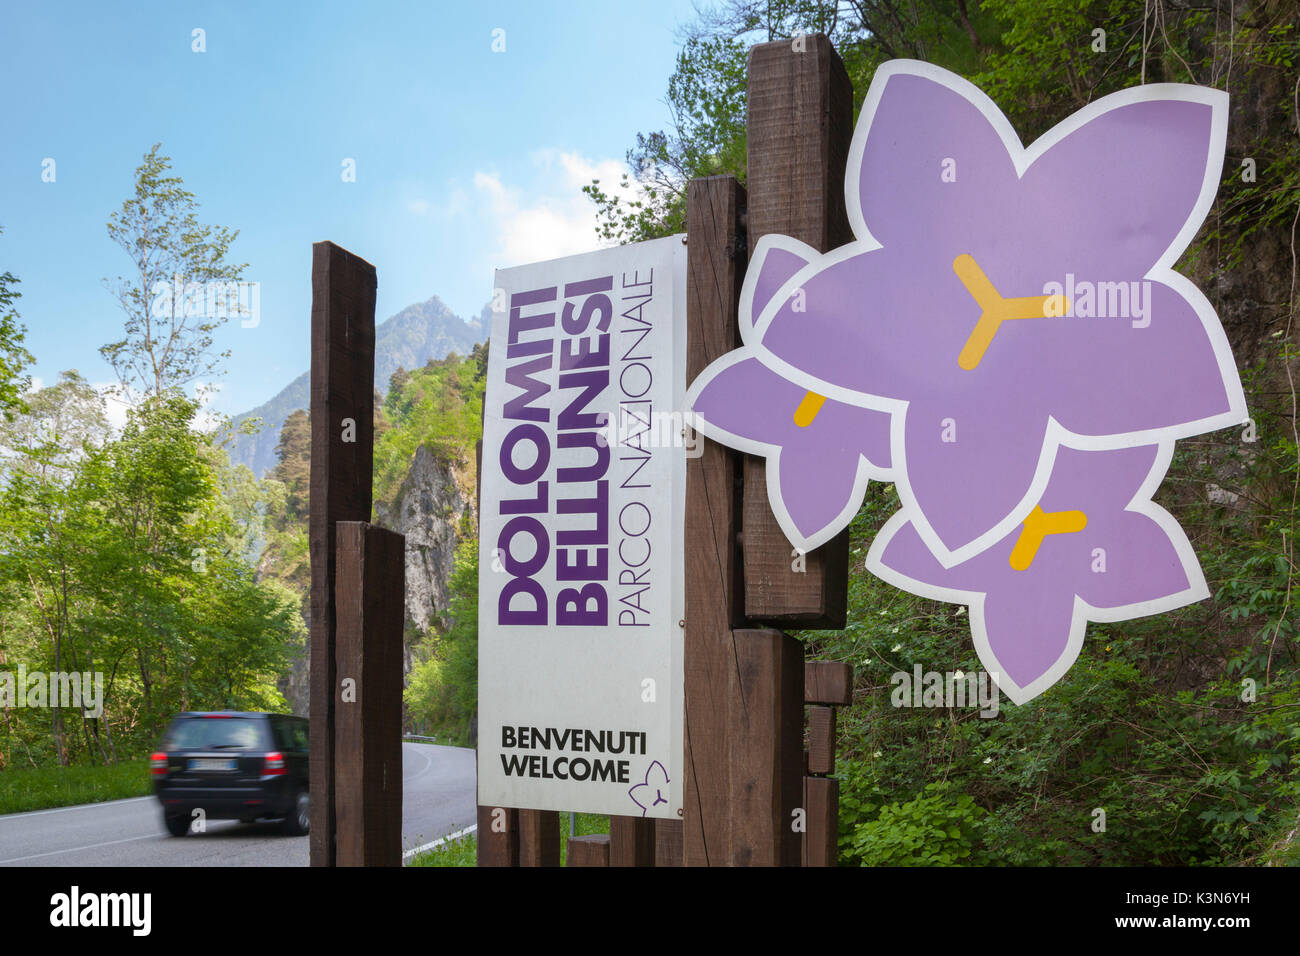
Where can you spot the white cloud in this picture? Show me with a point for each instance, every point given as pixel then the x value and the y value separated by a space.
pixel 116 405
pixel 556 218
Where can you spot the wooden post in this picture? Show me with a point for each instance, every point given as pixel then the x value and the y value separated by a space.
pixel 827 685
pixel 497 843
pixel 821 740
pixel 539 838
pixel 800 125
pixel 631 841
pixel 766 749
pixel 368 608
pixel 822 804
pixel 715 268
pixel 593 850
pixel 828 682
pixel 342 431
pixel 668 843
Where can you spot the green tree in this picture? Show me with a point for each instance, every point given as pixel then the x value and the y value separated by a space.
pixel 13 357
pixel 168 338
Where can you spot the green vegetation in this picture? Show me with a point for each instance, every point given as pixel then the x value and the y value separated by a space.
pixel 25 788
pixel 462 852
pixel 439 406
pixel 13 357
pixel 126 552
pixel 442 689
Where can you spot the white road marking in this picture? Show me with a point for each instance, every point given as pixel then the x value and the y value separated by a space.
pixel 74 849
pixel 80 806
pixel 428 762
pixel 436 843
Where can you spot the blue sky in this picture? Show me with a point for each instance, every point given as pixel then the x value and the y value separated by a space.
pixel 466 159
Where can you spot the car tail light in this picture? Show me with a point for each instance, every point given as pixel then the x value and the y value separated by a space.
pixel 274 764
pixel 158 764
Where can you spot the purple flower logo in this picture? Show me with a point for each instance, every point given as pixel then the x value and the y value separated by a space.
pixel 652 791
pixel 1095 548
pixel 1003 310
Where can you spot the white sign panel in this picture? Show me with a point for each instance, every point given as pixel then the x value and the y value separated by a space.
pixel 581 582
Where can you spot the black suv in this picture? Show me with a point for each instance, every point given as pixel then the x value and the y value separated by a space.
pixel 233 766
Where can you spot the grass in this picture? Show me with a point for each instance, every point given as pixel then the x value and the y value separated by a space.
pixel 41 788
pixel 463 852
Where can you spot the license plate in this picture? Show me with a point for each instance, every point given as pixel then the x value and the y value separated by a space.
pixel 211 763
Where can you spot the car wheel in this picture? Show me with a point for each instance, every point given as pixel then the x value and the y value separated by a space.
pixel 177 826
pixel 298 822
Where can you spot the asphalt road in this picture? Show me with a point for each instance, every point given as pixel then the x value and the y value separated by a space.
pixel 438 798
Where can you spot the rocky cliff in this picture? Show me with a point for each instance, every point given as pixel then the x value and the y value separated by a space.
pixel 433 508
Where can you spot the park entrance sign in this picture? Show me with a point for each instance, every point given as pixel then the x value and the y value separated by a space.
pixel 581 583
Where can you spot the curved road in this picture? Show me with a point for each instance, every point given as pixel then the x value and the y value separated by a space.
pixel 438 797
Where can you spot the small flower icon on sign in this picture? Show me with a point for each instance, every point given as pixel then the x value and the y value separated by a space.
pixel 653 790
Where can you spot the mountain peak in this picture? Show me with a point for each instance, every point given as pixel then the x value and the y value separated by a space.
pixel 408 339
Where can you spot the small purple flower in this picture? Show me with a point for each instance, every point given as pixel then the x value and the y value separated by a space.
pixel 1114 555
pixel 653 790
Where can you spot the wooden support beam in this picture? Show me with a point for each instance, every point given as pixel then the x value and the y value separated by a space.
pixel 800 125
pixel 766 749
pixel 497 836
pixel 539 838
pixel 592 850
pixel 370 566
pixel 668 842
pixel 821 740
pixel 632 841
pixel 822 804
pixel 342 431
pixel 715 209
pixel 828 682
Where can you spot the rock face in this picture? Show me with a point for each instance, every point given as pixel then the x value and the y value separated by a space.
pixel 431 508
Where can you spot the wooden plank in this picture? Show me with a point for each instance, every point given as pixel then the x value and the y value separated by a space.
pixel 766 749
pixel 828 682
pixel 497 836
pixel 539 838
pixel 631 841
pixel 591 850
pixel 800 125
pixel 822 803
pixel 369 600
pixel 342 388
pixel 715 209
pixel 821 740
pixel 668 842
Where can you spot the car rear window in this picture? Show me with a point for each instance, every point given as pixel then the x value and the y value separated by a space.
pixel 214 733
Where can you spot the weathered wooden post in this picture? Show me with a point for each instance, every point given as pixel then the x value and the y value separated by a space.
pixel 715 269
pixel 800 126
pixel 744 683
pixel 826 685
pixel 342 432
pixel 369 610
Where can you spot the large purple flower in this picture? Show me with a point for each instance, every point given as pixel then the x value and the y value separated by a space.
pixel 1095 548
pixel 944 312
